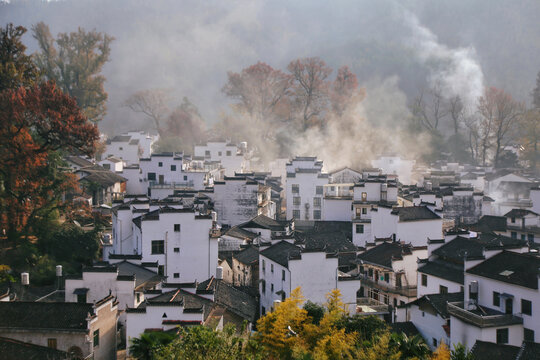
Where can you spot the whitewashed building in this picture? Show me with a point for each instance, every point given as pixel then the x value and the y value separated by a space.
pixel 411 224
pixel 238 199
pixel 284 266
pixel 500 303
pixel 388 272
pixel 182 241
pixel 305 189
pixel 229 155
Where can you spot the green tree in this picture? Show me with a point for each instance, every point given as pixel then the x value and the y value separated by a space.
pixel 460 352
pixel 202 343
pixel 314 311
pixel 75 63
pixel 147 345
pixel 410 347
pixel 16 68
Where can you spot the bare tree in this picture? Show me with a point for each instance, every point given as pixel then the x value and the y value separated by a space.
pixel 311 93
pixel 152 103
pixel 499 115
pixel 429 108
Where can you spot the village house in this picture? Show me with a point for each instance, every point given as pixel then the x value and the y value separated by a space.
pixel 368 194
pixel 388 272
pixel 411 224
pixel 304 189
pixel 130 146
pixel 81 330
pixel 523 224
pixel 240 198
pixel 213 303
pixel 162 174
pixel 430 316
pixel 113 164
pixel 443 270
pixel 285 266
pixel 245 267
pixel 231 157
pixel 182 241
pixel 510 191
pixel 103 185
pixel 499 306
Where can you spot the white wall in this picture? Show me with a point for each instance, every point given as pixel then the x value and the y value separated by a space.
pixel 314 288
pixel 337 209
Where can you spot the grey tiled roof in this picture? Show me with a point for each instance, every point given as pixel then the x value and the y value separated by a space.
pixel 281 252
pixel 414 213
pixel 510 267
pixel 483 350
pixel 11 349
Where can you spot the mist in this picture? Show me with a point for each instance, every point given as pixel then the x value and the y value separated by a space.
pixel 395 49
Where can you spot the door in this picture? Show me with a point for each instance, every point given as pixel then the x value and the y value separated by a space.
pixel 161 179
pixel 509 306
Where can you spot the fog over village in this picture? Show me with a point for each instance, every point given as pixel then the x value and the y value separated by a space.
pixel 269 179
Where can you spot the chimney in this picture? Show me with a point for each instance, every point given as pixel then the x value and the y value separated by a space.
pixel 25 278
pixel 59 277
pixel 219 273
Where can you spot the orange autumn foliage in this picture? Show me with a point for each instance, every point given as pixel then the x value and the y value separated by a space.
pixel 36 123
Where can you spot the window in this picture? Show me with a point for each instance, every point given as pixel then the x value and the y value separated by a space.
pixel 138 297
pixel 316 214
pixel 370 272
pixel 173 167
pixel 496 299
pixel 424 280
pixel 96 338
pixel 316 201
pixel 364 211
pixel 176 275
pixel 283 275
pixel 263 286
pixel 51 343
pixel 107 166
pixel 120 148
pixel 296 214
pixel 271 267
pixel 160 164
pixel 207 153
pixel 513 235
pixel 530 237
pixel 263 266
pixel 443 289
pixel 219 153
pixel 359 228
pixel 364 196
pixel 296 200
pixel 434 342
pixel 295 188
pixel 283 296
pixel 161 270
pixel 152 176
pixel 318 190
pixel 81 298
pixel 228 153
pixel 387 277
pixel 358 212
pixel 176 250
pixel 158 246
pixel 528 334
pixel 526 307
pixel 177 227
pixel 513 220
pixel 185 177
pixel 502 336
pixel 523 237
pixel 272 287
pixel 263 311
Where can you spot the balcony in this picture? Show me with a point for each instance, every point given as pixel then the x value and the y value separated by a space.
pixel 408 291
pixel 368 306
pixel 170 185
pixel 482 317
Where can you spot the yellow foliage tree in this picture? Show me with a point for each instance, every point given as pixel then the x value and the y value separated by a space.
pixel 278 331
pixel 380 350
pixel 442 352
